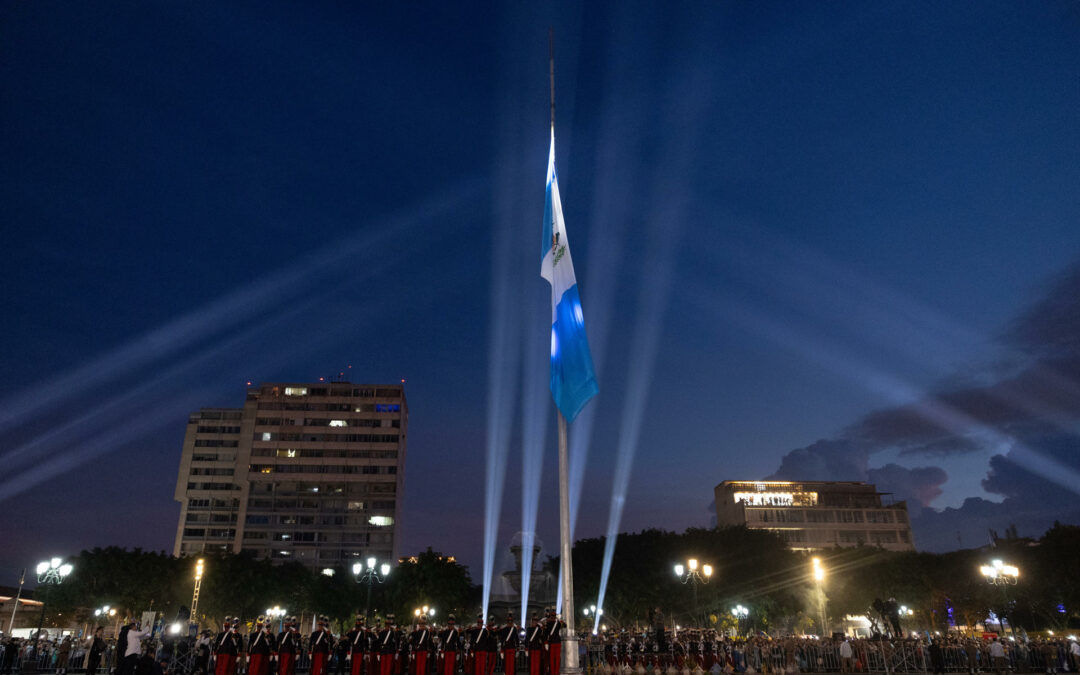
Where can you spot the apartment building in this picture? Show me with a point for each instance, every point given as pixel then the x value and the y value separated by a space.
pixel 306 472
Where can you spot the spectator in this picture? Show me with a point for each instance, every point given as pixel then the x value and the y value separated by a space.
pixel 847 657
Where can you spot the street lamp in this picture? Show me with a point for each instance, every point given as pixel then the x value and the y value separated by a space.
pixel 739 612
pixel 49 573
pixel 278 613
pixel 424 611
pixel 997 573
pixel 818 572
pixel 374 572
pixel 691 575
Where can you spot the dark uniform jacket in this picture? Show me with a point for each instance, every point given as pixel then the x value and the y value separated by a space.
pixel 450 639
pixel 508 636
pixel 321 641
pixel 534 637
pixel 228 642
pixel 388 641
pixel 288 642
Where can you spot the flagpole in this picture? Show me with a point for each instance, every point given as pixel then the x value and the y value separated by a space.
pixel 570 664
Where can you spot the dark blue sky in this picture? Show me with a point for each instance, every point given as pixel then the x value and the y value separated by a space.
pixel 833 240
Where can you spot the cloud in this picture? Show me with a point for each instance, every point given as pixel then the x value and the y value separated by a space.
pixel 1027 409
pixel 846 460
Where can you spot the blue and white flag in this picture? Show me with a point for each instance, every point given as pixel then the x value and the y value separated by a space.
pixel 573 380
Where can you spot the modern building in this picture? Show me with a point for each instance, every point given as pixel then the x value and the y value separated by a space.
pixel 311 473
pixel 811 515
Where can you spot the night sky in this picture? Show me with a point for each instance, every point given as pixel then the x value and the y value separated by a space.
pixel 813 240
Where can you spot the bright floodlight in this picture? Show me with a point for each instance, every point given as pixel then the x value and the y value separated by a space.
pixel 986 571
pixel 198 568
pixel 357 568
pixel 42 567
pixel 385 569
pixel 328 571
pixel 585 611
pixel 97 612
pixel 431 612
pixel 54 563
pixel 707 570
pixel 175 628
pixel 371 563
pixel 692 564
pixel 416 612
pixel 65 569
pixel 819 574
pixel 679 570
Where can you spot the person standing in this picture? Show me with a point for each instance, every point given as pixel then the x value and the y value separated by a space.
pixel 509 638
pixel 320 643
pixel 357 640
pixel 449 646
pixel 96 647
pixel 388 644
pixel 420 645
pixel 997 656
pixel 288 645
pixel 486 647
pixel 534 642
pixel 227 646
pixel 132 650
pixel 259 646
pixel 553 629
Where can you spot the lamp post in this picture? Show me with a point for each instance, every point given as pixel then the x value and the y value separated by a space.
pixel 818 572
pixel 997 573
pixel 423 611
pixel 594 611
pixel 278 613
pixel 107 612
pixel 691 575
pixel 739 612
pixel 371 574
pixel 49 573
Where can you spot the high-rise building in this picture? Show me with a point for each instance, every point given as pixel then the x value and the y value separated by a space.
pixel 311 473
pixel 811 515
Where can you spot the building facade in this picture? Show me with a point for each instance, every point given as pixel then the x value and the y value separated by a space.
pixel 812 515
pixel 311 473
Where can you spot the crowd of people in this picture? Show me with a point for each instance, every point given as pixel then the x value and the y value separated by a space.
pixel 490 647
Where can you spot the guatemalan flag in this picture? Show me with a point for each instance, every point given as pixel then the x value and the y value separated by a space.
pixel 573 380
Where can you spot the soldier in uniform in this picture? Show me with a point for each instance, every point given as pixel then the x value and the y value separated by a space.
pixel 288 645
pixel 319 645
pixel 553 628
pixel 387 644
pixel 472 634
pixel 487 648
pixel 449 646
pixel 420 646
pixel 259 646
pixel 509 638
pixel 227 645
pixel 534 642
pixel 357 641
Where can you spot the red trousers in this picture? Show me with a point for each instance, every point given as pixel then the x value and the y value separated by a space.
pixel 386 664
pixel 420 660
pixel 318 663
pixel 536 661
pixel 449 663
pixel 286 663
pixel 554 657
pixel 357 667
pixel 225 664
pixel 483 662
pixel 373 664
pixel 509 666
pixel 258 664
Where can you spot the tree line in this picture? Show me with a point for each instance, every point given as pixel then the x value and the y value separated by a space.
pixel 752 568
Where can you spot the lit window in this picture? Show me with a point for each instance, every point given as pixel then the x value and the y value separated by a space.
pixel 380 521
pixel 338 423
pixel 267 436
pixel 296 391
